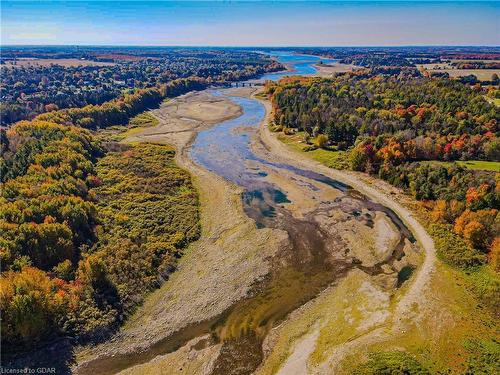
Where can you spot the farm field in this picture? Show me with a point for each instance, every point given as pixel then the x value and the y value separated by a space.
pixel 481 74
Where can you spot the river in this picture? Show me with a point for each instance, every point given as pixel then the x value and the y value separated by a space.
pixel 314 210
pixel 306 267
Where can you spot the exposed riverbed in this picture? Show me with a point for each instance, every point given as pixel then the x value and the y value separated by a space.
pixel 320 230
pixel 317 254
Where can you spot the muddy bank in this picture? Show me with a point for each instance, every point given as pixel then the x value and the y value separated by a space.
pixel 239 286
pixel 216 271
pixel 360 311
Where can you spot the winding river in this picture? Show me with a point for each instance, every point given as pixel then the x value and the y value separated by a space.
pixel 317 254
pixel 228 150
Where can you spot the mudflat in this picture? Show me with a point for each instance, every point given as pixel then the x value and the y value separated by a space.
pixel 173 330
pixel 216 271
pixel 182 117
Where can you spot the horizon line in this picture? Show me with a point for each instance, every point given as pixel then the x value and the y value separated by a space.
pixel 251 46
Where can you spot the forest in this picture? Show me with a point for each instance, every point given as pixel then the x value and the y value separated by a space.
pixel 87 231
pixel 28 90
pixel 410 132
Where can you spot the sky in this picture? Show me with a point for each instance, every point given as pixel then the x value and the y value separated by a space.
pixel 252 23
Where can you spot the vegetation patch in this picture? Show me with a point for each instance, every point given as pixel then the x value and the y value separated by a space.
pixel 485 284
pixel 329 157
pixel 484 356
pixel 393 363
pixel 493 166
pixel 118 133
pixel 85 233
pixel 453 249
pixel 148 214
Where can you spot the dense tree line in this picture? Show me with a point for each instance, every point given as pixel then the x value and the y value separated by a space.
pixel 391 120
pixel 396 129
pixel 120 110
pixel 27 90
pixel 85 232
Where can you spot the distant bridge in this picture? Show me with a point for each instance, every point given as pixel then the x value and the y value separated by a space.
pixel 242 84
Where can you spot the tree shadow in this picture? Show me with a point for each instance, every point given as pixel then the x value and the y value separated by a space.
pixel 55 358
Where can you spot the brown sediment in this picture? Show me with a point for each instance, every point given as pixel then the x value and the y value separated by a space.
pixel 206 283
pixel 239 282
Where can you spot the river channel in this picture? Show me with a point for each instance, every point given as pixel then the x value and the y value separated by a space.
pixel 319 253
pixel 315 258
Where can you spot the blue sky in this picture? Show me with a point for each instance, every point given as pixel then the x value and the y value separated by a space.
pixel 262 23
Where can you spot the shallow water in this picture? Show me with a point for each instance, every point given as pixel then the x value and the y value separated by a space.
pixel 314 259
pixel 306 267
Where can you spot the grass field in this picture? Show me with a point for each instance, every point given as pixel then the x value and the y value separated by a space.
pixel 332 159
pixel 481 165
pixel 481 74
pixel 478 165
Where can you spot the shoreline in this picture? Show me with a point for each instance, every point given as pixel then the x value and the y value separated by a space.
pixel 352 179
pixel 205 285
pixel 159 315
pixel 419 284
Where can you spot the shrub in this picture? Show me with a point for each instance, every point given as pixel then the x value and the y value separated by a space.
pixel 452 249
pixel 321 141
pixel 391 363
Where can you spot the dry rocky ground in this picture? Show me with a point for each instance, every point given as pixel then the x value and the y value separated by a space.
pixel 356 313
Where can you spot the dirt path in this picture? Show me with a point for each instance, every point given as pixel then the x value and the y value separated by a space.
pixel 420 283
pixel 424 273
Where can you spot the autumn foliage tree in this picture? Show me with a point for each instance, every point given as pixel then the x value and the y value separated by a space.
pixel 85 233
